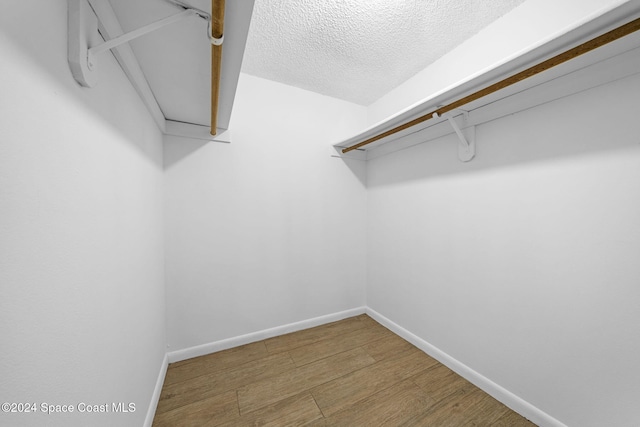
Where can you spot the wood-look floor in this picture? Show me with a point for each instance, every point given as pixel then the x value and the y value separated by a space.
pixel 349 373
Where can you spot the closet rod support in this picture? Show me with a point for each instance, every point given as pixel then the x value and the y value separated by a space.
pixel 466 146
pixel 124 38
pixel 84 39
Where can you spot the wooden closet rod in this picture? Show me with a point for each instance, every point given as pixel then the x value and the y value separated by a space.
pixel 592 44
pixel 217 33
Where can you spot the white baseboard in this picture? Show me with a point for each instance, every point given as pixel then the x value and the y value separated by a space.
pixel 514 402
pixel 153 405
pixel 201 350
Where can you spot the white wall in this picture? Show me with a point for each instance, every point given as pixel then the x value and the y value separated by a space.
pixel 267 230
pixel 523 264
pixel 81 277
pixel 529 25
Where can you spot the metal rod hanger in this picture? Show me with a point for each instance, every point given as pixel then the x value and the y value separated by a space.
pixel 204 15
pixel 187 12
pixel 83 59
pixel 588 46
pixel 117 41
pixel 467 145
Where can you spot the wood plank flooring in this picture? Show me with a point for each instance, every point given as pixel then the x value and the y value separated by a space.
pixel 349 373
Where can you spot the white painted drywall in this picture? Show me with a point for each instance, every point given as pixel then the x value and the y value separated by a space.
pixel 81 276
pixel 267 230
pixel 523 264
pixel 523 28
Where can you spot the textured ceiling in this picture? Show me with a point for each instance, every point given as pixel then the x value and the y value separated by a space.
pixel 359 50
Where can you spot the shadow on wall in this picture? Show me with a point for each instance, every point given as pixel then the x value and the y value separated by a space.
pixel 46 59
pixel 177 149
pixel 355 166
pixel 175 153
pixel 569 127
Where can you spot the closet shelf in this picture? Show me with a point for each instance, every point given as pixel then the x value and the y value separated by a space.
pixel 612 61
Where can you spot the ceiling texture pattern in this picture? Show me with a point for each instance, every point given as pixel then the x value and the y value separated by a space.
pixel 359 50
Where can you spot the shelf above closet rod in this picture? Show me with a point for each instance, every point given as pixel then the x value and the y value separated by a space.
pixel 561 58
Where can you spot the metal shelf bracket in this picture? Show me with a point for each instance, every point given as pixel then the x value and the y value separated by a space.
pixel 84 39
pixel 467 143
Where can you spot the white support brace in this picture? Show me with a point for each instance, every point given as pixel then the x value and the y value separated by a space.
pixel 82 32
pixel 131 35
pixel 467 144
pixel 83 47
